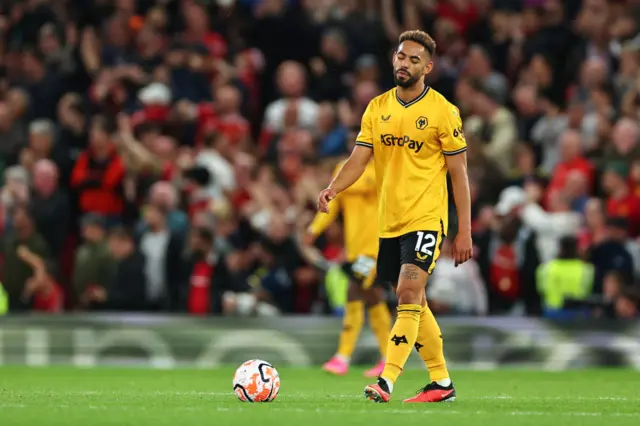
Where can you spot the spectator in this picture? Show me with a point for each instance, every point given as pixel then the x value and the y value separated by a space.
pixel 595 229
pixel 15 192
pixel 50 205
pixel 164 196
pixel 42 145
pixel 220 169
pixel 331 135
pixel 478 67
pixel 127 291
pixel 294 108
pixel 621 202
pixel 564 277
pixel 547 132
pixel 457 290
pixel 611 254
pixel 93 266
pixel 549 226
pixel 570 160
pixel 162 250
pixel 15 270
pixel 98 174
pixel 494 125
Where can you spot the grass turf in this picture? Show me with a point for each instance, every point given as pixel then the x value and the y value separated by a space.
pixel 79 397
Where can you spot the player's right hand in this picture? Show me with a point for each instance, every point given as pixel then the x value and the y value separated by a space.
pixel 462 248
pixel 323 200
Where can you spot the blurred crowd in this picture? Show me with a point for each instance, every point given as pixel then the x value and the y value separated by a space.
pixel 165 155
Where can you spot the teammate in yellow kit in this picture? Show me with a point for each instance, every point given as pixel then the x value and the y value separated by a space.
pixel 415 137
pixel 358 205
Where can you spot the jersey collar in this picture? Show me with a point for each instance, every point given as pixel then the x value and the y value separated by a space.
pixel 420 96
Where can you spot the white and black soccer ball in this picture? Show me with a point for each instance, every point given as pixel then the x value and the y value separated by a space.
pixel 256 381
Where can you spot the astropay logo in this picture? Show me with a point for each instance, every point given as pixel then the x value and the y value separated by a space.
pixel 401 141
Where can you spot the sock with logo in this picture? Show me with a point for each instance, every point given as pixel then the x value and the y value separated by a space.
pixel 401 339
pixel 351 326
pixel 429 346
pixel 380 323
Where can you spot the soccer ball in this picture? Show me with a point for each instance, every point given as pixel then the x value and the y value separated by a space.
pixel 256 381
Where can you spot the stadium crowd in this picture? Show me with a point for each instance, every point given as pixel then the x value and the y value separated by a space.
pixel 165 155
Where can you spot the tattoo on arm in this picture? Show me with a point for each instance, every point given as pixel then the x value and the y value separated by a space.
pixel 410 272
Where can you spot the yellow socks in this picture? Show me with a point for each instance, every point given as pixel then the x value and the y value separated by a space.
pixel 351 326
pixel 380 323
pixel 429 345
pixel 401 341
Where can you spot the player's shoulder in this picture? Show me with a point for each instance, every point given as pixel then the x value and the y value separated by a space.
pixel 444 105
pixel 382 98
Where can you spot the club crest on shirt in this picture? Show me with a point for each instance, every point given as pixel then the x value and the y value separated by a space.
pixel 422 123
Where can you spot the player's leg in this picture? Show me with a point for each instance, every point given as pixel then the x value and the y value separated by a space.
pixel 351 327
pixel 429 346
pixel 388 269
pixel 410 292
pixel 379 319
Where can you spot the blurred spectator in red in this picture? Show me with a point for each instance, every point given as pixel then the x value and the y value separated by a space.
pixel 41 291
pixel 98 174
pixel 570 160
pixel 621 201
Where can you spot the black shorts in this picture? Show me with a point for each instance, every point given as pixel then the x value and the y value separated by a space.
pixel 362 271
pixel 420 248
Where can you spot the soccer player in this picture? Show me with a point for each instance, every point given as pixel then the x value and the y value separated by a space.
pixel 358 205
pixel 415 136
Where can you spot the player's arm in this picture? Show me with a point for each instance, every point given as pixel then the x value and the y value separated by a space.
pixel 454 147
pixel 355 165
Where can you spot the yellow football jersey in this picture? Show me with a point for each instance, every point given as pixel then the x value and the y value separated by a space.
pixel 409 142
pixel 358 205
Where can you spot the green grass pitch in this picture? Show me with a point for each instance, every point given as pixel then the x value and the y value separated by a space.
pixel 119 397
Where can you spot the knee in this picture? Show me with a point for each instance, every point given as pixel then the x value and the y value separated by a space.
pixel 409 295
pixel 372 296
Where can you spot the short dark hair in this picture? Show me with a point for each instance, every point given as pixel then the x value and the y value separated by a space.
pixel 204 234
pixel 104 123
pixel 420 37
pixel 121 233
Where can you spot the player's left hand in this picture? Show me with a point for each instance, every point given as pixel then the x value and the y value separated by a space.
pixel 462 248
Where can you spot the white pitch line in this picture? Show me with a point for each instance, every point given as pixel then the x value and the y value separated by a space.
pixel 305 396
pixel 376 411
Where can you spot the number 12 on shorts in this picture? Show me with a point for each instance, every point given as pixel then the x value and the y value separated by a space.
pixel 425 244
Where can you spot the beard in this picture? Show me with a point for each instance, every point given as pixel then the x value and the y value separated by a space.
pixel 413 79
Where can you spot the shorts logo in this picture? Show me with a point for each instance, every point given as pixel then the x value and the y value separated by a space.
pixel 422 123
pixel 402 141
pixel 421 257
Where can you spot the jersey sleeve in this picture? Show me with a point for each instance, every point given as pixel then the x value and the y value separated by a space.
pixel 365 137
pixel 450 132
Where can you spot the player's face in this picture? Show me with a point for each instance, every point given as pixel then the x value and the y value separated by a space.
pixel 411 63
